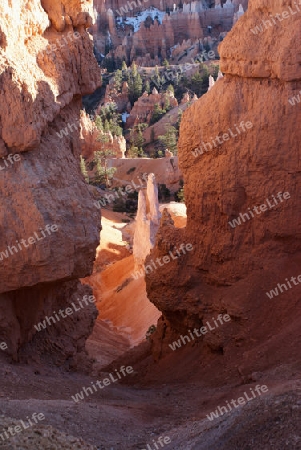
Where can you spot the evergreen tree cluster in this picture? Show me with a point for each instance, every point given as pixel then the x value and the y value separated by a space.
pixel 170 139
pixel 108 120
pixel 133 79
pixel 136 141
pixel 103 173
pixel 160 110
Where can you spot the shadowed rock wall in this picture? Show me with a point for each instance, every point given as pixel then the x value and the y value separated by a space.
pixel 46 65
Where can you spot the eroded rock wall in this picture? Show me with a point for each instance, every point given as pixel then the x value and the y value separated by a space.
pixel 231 267
pixel 46 65
pixel 154 39
pixel 143 108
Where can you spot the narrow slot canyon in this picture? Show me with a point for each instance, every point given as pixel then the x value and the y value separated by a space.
pixel 150 226
pixel 125 313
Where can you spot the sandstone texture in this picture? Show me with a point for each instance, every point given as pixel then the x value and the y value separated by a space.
pixel 46 65
pixel 170 118
pixel 130 171
pixel 147 221
pixel 120 99
pixel 93 140
pixel 231 269
pixel 143 108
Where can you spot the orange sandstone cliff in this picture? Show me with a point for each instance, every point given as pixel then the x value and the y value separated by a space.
pixel 46 65
pixel 231 268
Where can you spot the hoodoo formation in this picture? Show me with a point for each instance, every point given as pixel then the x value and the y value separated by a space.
pixel 146 31
pixel 150 225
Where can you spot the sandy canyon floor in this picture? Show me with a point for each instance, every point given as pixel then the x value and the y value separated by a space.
pixel 169 398
pixel 131 416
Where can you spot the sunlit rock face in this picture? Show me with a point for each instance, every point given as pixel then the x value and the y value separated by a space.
pixel 46 65
pixel 232 267
pixel 143 108
pixel 147 221
pixel 93 140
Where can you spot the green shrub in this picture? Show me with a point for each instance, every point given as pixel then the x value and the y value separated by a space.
pixel 180 195
pixel 158 113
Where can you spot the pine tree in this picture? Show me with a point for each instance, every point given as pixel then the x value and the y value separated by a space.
pixel 118 80
pixel 169 139
pixel 137 85
pixel 147 86
pixel 98 123
pixel 106 126
pixel 109 120
pixel 158 112
pixel 103 173
pixel 157 79
pixel 170 89
pixel 99 172
pixel 134 152
pixel 166 103
pixel 134 83
pixel 136 136
pixel 139 139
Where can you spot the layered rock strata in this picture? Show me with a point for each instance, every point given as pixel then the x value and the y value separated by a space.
pixel 143 108
pixel 232 266
pixel 46 65
pixel 166 170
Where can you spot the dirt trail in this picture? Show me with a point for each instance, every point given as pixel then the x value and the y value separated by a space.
pixel 128 417
pixel 170 398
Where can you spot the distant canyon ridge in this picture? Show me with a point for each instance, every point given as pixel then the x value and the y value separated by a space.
pixel 153 30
